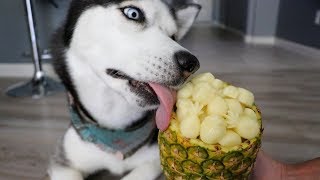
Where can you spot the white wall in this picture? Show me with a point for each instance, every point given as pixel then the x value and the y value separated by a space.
pixel 262 17
pixel 206 11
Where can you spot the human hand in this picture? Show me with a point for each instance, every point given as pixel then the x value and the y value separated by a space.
pixel 267 169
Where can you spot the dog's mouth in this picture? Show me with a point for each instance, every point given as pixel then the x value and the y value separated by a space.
pixel 153 93
pixel 142 87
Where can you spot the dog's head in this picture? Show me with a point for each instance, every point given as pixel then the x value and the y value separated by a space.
pixel 130 43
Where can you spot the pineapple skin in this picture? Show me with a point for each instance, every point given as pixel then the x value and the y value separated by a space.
pixel 183 158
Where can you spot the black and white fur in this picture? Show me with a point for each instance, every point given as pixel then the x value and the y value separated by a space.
pixel 97 38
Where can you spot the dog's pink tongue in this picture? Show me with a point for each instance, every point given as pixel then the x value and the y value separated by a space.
pixel 167 99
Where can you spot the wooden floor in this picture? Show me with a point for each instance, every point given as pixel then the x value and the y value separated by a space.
pixel 286 85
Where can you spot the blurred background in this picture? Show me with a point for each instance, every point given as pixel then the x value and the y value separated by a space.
pixel 271 47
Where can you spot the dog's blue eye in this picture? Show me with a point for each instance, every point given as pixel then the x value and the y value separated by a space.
pixel 133 13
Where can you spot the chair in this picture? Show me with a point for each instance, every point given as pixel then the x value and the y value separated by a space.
pixel 40 85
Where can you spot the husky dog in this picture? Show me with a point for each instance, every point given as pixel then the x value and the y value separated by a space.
pixel 119 61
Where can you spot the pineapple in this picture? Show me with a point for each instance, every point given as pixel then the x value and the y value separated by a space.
pixel 215 132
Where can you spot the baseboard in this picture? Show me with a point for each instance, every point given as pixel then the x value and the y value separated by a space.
pixel 203 23
pixel 272 41
pixel 296 47
pixel 227 28
pixel 260 40
pixel 219 25
pixel 23 70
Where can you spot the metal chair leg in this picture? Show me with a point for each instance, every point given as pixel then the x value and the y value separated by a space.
pixel 40 85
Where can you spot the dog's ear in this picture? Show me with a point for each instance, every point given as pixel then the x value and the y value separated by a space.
pixel 185 17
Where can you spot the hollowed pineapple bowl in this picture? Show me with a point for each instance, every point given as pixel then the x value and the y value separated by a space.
pixel 215 132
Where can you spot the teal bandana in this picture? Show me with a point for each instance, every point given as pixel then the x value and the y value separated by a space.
pixel 122 143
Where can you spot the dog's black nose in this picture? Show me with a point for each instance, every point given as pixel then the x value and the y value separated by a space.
pixel 187 62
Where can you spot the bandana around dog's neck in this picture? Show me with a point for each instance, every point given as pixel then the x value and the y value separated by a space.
pixel 122 143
